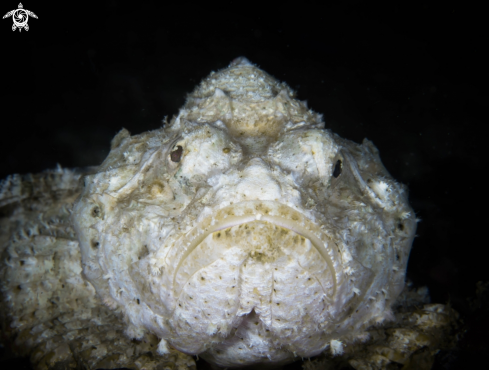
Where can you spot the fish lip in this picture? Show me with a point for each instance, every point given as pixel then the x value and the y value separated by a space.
pixel 256 210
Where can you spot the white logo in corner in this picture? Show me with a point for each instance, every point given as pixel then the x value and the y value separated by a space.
pixel 20 17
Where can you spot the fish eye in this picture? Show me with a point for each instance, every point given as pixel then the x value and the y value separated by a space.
pixel 176 154
pixel 337 169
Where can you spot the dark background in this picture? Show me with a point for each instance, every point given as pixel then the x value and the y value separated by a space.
pixel 410 76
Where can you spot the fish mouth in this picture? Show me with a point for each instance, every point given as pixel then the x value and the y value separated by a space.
pixel 251 212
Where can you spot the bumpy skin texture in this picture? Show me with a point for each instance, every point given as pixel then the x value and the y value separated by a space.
pixel 242 232
pixel 48 310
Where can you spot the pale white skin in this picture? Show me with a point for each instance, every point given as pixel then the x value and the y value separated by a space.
pixel 243 232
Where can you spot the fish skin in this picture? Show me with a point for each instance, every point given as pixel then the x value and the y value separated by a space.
pixel 242 232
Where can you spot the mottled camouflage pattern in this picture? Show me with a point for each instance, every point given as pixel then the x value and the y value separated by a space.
pixel 242 232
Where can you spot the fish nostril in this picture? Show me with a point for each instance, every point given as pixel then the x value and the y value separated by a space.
pixel 337 169
pixel 176 154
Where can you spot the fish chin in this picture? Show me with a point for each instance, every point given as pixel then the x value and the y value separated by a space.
pixel 264 272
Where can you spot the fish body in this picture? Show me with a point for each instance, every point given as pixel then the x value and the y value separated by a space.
pixel 242 232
